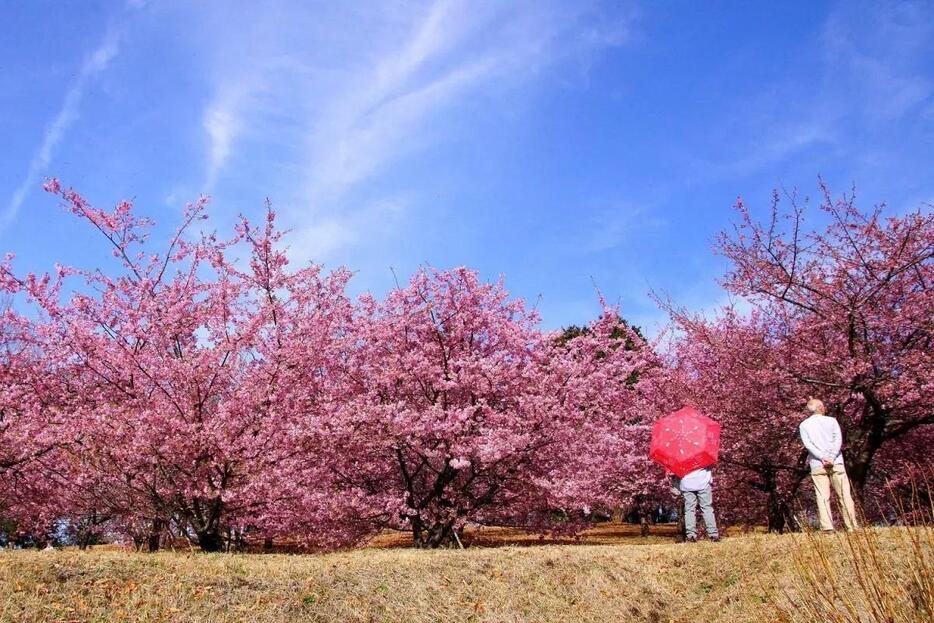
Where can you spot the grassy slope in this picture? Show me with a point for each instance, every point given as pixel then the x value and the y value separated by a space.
pixel 656 582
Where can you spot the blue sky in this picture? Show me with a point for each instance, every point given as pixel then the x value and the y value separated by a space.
pixel 557 143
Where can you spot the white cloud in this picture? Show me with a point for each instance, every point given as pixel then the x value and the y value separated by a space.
pixel 607 227
pixel 351 149
pixel 869 72
pixel 318 240
pixel 874 58
pixel 96 62
pixel 455 50
pixel 222 125
pixel 348 93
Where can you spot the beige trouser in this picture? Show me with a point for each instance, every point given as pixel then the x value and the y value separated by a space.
pixel 823 479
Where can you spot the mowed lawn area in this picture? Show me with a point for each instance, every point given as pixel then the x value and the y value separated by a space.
pixel 740 579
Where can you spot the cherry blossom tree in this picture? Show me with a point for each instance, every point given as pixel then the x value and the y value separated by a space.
pixel 464 411
pixel 171 369
pixel 844 312
pixel 22 434
pixel 30 409
pixel 627 483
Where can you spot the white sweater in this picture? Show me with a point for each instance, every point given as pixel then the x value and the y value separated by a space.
pixel 822 437
pixel 695 481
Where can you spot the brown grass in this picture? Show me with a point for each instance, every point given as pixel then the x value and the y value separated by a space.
pixel 741 579
pixel 866 576
pixel 609 533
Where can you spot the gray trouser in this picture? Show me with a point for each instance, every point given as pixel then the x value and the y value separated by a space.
pixel 704 497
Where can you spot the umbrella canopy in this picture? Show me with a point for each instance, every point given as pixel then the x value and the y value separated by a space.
pixel 685 440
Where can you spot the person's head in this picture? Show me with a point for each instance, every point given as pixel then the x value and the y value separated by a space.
pixel 816 406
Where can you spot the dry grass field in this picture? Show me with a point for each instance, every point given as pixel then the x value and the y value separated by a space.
pixel 741 579
pixel 609 533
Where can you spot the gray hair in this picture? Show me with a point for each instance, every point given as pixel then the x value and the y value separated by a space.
pixel 815 406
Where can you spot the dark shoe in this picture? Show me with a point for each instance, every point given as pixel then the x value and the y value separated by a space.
pixel 715 538
pixel 691 539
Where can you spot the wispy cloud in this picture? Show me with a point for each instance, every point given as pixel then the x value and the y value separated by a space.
pixel 222 123
pixel 221 126
pixel 317 240
pixel 363 128
pixel 384 87
pixel 606 227
pixel 94 64
pixel 456 49
pixel 870 71
pixel 875 61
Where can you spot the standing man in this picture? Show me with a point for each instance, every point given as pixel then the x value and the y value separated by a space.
pixel 822 437
pixel 696 489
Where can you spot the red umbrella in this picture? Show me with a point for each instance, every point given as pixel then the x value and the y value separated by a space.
pixel 685 440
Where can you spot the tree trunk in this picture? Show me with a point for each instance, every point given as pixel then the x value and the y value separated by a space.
pixel 859 465
pixel 210 541
pixel 155 535
pixel 775 510
pixel 267 544
pixel 776 513
pixel 87 538
pixel 206 523
pixel 435 536
pixel 643 524
pixel 862 446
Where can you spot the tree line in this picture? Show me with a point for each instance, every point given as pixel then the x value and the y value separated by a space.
pixel 212 391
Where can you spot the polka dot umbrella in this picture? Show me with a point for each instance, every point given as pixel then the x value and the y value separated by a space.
pixel 684 441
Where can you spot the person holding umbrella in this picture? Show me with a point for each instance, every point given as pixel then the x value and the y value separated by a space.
pixel 687 443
